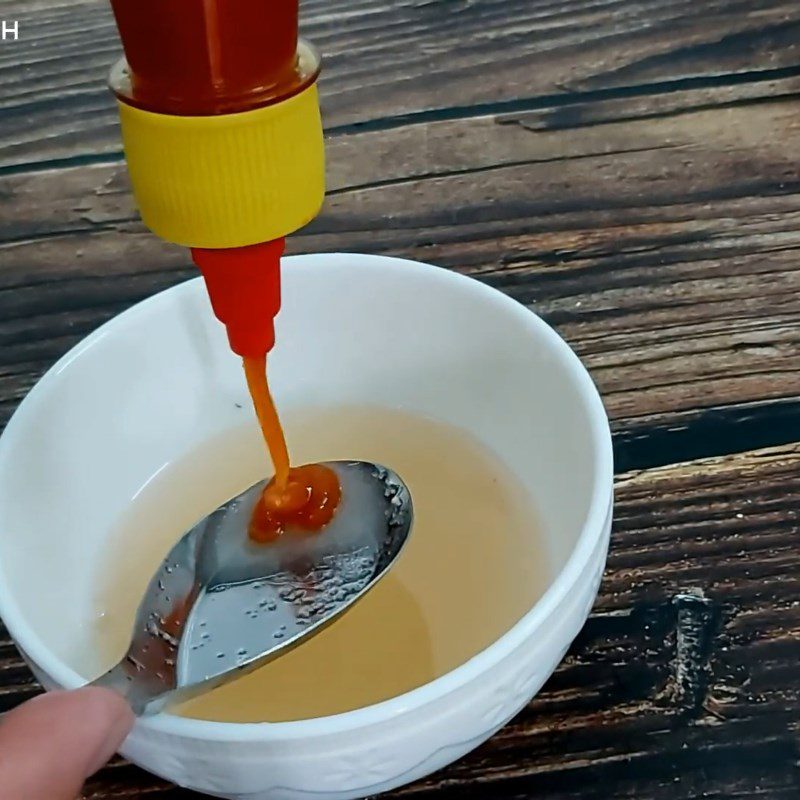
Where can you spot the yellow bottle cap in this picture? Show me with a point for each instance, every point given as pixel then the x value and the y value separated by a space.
pixel 230 180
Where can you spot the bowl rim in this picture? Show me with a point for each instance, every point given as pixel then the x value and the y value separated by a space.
pixel 560 586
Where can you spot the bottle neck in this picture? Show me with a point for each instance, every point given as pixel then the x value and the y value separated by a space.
pixel 244 285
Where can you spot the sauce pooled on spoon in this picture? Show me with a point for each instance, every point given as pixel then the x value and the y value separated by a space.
pixel 303 498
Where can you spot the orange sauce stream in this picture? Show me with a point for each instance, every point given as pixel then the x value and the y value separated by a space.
pixel 303 498
pixel 255 370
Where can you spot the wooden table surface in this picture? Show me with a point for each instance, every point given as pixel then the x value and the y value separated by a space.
pixel 628 169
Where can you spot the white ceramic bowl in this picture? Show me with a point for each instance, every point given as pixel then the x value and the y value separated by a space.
pixel 150 385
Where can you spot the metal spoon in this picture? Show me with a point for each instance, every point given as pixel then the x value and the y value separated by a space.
pixel 220 605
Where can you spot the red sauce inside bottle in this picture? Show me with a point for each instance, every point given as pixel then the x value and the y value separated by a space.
pixel 202 57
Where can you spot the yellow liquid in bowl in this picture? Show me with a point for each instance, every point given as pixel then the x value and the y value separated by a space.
pixel 475 564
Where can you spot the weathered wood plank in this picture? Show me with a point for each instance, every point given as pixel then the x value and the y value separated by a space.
pixel 665 249
pixel 718 124
pixel 683 682
pixel 392 59
pixel 657 440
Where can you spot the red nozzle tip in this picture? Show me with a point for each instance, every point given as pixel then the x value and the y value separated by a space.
pixel 244 284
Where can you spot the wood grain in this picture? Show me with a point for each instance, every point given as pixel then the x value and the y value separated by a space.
pixel 663 247
pixel 394 60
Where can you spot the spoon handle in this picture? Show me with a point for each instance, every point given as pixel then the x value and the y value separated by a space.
pixel 143 698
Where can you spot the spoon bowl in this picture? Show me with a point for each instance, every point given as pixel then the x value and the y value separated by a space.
pixel 221 605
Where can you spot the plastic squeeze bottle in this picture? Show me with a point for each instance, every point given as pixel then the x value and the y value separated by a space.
pixel 222 134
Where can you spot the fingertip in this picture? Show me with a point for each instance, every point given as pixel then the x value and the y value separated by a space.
pixel 97 718
pixel 105 705
pixel 53 743
pixel 109 716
